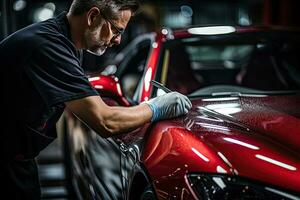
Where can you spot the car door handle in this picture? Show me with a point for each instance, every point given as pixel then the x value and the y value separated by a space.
pixel 129 151
pixel 123 148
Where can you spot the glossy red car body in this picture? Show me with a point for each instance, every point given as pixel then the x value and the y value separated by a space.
pixel 259 141
pixel 256 137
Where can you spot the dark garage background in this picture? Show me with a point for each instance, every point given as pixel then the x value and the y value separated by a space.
pixel 16 14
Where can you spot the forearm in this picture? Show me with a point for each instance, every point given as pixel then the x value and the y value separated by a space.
pixel 125 119
pixel 108 120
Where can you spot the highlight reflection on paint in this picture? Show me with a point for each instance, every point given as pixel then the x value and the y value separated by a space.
pixel 200 155
pixel 219 182
pixel 224 159
pixel 276 162
pixel 281 193
pixel 225 109
pixel 238 142
pixel 148 79
pixel 221 99
pixel 221 170
pixel 98 86
pixel 212 126
pixel 213 30
pixel 94 78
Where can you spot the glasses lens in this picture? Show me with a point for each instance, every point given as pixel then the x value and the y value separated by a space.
pixel 117 32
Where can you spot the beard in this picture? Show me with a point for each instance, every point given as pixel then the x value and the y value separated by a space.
pixel 98 51
pixel 93 42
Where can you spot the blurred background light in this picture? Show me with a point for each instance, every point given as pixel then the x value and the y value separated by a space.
pixel 243 18
pixel 186 11
pixel 19 5
pixel 176 20
pixel 164 31
pixel 50 6
pixel 244 21
pixel 44 13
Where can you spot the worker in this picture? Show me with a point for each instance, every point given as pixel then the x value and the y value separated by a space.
pixel 42 75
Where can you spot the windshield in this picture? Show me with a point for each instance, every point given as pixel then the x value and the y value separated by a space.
pixel 244 66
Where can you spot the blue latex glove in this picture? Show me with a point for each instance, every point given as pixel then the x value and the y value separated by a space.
pixel 169 105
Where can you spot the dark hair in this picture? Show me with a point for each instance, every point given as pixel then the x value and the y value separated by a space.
pixel 110 8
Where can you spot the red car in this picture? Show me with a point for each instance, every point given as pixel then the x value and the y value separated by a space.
pixel 241 140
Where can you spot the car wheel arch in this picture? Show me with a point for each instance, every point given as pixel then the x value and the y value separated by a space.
pixel 137 186
pixel 139 183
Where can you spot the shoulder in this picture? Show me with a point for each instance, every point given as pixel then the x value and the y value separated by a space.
pixel 37 33
pixel 54 58
pixel 32 36
pixel 55 52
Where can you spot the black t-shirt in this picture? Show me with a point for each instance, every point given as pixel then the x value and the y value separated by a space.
pixel 41 70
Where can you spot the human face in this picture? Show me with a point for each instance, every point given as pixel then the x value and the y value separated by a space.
pixel 115 29
pixel 106 33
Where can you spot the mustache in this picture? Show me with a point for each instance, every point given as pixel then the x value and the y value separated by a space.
pixel 98 51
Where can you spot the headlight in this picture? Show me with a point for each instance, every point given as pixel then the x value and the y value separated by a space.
pixel 219 186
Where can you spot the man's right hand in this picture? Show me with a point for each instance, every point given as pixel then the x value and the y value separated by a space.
pixel 111 120
pixel 169 105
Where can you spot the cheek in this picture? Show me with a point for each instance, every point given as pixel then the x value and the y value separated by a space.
pixel 104 33
pixel 94 35
pixel 89 37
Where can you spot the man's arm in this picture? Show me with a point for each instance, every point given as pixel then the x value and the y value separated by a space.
pixel 109 120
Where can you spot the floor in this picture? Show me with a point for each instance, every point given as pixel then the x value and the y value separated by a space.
pixel 52 172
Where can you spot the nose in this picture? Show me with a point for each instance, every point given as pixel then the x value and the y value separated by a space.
pixel 116 40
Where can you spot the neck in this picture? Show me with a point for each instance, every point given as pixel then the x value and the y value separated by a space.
pixel 76 29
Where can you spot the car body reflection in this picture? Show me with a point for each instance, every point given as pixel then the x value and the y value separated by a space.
pixel 240 139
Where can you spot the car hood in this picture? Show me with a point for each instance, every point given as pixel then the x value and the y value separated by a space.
pixel 275 117
pixel 257 137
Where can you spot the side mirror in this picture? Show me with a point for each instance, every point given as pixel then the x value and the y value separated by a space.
pixel 108 88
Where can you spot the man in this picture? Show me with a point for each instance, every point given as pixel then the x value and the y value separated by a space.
pixel 42 76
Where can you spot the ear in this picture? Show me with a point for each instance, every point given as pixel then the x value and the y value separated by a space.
pixel 92 15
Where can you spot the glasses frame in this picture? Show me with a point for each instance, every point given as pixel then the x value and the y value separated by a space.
pixel 119 32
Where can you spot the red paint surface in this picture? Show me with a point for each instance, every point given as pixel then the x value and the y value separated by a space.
pixel 273 137
pixel 107 86
pixel 152 66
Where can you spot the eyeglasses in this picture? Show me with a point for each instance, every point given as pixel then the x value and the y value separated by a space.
pixel 117 31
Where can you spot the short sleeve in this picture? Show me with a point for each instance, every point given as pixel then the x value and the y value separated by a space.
pixel 56 74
